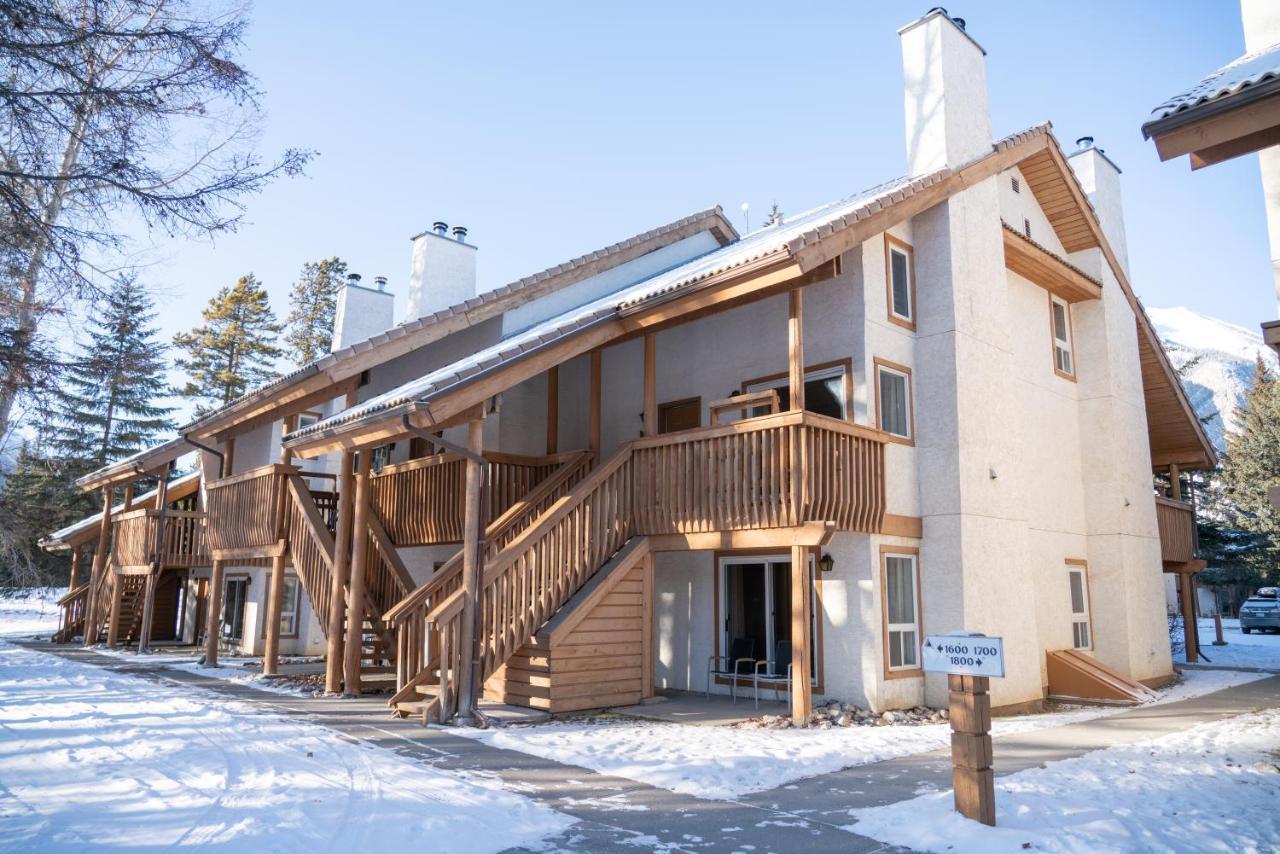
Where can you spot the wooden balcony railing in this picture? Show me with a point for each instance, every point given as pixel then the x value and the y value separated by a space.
pixel 1177 522
pixel 245 509
pixel 420 501
pixel 182 543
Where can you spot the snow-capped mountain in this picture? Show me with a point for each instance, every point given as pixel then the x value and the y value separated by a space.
pixel 1226 352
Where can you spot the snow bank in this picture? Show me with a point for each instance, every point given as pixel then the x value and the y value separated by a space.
pixel 30 612
pixel 244 671
pixel 101 760
pixel 722 763
pixel 1251 650
pixel 1211 788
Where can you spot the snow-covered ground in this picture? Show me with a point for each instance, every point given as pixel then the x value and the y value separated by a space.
pixel 724 763
pixel 1213 787
pixel 1251 650
pixel 102 760
pixel 30 613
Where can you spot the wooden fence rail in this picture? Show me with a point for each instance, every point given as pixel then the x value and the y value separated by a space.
pixel 1177 524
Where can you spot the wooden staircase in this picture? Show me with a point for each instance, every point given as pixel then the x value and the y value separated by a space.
pixel 73 612
pixel 131 597
pixel 774 471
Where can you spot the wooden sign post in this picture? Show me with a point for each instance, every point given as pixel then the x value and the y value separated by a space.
pixel 969 661
pixel 971 776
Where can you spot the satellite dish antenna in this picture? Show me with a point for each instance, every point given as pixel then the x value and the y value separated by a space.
pixel 746 217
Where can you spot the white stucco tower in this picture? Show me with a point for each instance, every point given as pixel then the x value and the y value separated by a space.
pixel 443 272
pixel 362 312
pixel 975 555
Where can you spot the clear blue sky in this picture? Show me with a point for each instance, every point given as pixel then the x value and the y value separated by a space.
pixel 553 129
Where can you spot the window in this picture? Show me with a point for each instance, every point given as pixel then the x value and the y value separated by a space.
pixel 1078 584
pixel 826 389
pixel 900 281
pixel 1017 187
pixel 676 415
pixel 901 582
pixel 234 595
pixel 755 605
pixel 893 399
pixel 289 610
pixel 381 456
pixel 306 419
pixel 1060 326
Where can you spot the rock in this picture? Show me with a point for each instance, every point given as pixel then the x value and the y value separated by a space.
pixel 843 719
pixel 887 717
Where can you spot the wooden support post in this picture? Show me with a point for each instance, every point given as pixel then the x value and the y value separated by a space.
pixel 472 529
pixel 228 457
pixel 93 619
pixel 128 496
pixel 355 588
pixel 1175 482
pixel 1217 626
pixel 341 567
pixel 646 676
pixel 75 568
pixel 795 349
pixel 157 545
pixel 1190 629
pixel 213 627
pixel 971 775
pixel 593 408
pixel 801 637
pixel 553 409
pixel 275 605
pixel 650 384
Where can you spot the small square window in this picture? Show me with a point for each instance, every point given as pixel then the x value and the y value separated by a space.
pixel 893 400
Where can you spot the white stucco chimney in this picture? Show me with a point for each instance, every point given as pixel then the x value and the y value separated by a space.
pixel 945 78
pixel 443 271
pixel 362 312
pixel 1099 177
pixel 1261 19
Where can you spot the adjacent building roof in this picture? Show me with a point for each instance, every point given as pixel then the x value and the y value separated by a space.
pixel 146 461
pixel 87 528
pixel 1225 87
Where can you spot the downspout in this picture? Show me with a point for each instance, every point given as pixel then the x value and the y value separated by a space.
pixel 222 457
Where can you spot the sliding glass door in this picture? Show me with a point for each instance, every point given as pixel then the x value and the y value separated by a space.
pixel 755 606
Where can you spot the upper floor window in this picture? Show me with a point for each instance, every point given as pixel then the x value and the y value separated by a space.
pixel 1064 364
pixel 826 389
pixel 900 281
pixel 306 419
pixel 1078 584
pixel 893 400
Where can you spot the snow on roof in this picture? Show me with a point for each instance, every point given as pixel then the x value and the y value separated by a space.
pixel 713 217
pixel 770 240
pixel 153 455
pixel 1231 79
pixel 61 535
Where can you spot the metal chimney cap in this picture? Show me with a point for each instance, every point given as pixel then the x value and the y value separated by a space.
pixel 460 233
pixel 959 22
pixel 1085 142
pixel 381 282
pixel 353 278
pixel 440 228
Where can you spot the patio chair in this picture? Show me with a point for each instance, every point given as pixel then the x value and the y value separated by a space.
pixel 737 663
pixel 773 672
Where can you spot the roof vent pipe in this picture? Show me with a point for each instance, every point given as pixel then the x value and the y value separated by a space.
pixel 959 22
pixel 1084 142
pixel 381 282
pixel 353 279
pixel 440 228
pixel 460 233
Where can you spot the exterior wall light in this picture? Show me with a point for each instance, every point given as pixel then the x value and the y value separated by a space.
pixel 826 563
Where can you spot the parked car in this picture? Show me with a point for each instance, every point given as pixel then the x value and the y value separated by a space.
pixel 1261 611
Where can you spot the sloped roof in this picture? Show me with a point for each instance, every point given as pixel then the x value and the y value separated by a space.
pixel 1228 84
pixel 144 461
pixel 770 240
pixel 528 287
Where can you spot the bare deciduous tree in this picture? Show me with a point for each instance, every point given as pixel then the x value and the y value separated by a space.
pixel 113 112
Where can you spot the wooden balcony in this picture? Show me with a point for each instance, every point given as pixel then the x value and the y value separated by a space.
pixel 1177 522
pixel 181 542
pixel 244 512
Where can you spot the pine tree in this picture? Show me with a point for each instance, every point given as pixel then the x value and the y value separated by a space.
pixel 1250 465
pixel 234 349
pixel 107 406
pixel 313 303
pixel 39 496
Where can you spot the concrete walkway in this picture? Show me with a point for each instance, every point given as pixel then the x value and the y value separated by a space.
pixel 625 816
